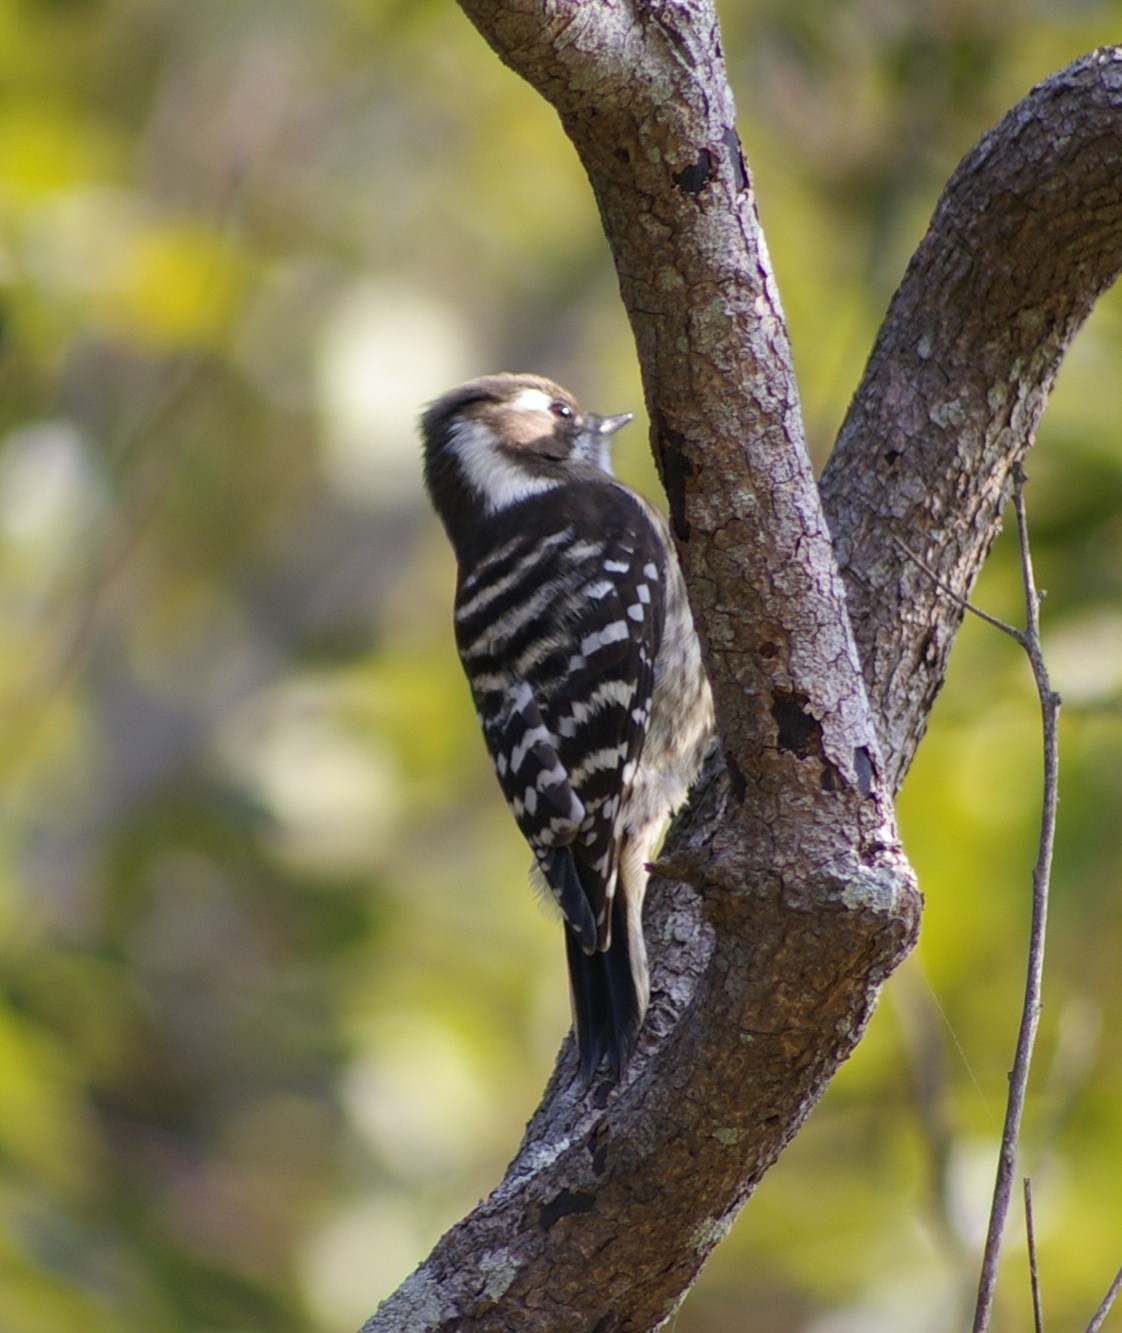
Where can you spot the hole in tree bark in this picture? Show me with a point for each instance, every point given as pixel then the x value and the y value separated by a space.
pixel 693 179
pixel 565 1204
pixel 799 730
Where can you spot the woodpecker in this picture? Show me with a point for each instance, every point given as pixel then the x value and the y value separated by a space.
pixel 574 630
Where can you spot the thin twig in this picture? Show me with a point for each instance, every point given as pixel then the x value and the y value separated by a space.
pixel 1111 1296
pixel 1034 1271
pixel 964 602
pixel 1030 1013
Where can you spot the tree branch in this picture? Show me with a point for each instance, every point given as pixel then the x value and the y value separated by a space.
pixel 767 963
pixel 1026 236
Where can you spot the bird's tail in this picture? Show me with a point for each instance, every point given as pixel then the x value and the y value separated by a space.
pixel 609 991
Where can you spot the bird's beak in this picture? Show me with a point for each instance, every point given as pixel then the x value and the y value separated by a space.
pixel 595 441
pixel 609 425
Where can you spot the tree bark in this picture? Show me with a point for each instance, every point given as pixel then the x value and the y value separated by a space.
pixel 1025 238
pixel 787 900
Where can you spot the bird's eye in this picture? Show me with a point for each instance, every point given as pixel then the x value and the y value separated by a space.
pixel 561 410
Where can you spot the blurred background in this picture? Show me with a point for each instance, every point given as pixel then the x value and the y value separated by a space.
pixel 275 1000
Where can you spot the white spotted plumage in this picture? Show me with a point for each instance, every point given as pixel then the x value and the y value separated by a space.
pixel 575 633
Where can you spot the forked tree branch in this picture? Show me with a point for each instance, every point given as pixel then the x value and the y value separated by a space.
pixel 766 964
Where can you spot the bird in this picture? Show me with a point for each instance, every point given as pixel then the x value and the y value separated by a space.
pixel 574 629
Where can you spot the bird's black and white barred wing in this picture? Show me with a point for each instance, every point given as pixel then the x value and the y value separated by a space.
pixel 558 628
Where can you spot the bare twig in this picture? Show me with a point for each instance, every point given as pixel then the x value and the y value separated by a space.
pixel 1034 1272
pixel 1029 639
pixel 1030 1013
pixel 1099 1317
pixel 964 602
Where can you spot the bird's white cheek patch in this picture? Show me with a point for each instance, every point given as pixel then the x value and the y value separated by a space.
pixel 497 480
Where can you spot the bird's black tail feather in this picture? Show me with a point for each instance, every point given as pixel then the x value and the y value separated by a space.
pixel 607 1005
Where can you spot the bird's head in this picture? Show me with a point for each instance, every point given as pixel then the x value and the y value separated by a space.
pixel 500 439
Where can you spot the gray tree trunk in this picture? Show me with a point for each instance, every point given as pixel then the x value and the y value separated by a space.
pixel 786 900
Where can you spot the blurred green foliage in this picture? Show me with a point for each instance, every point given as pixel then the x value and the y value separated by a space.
pixel 274 998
